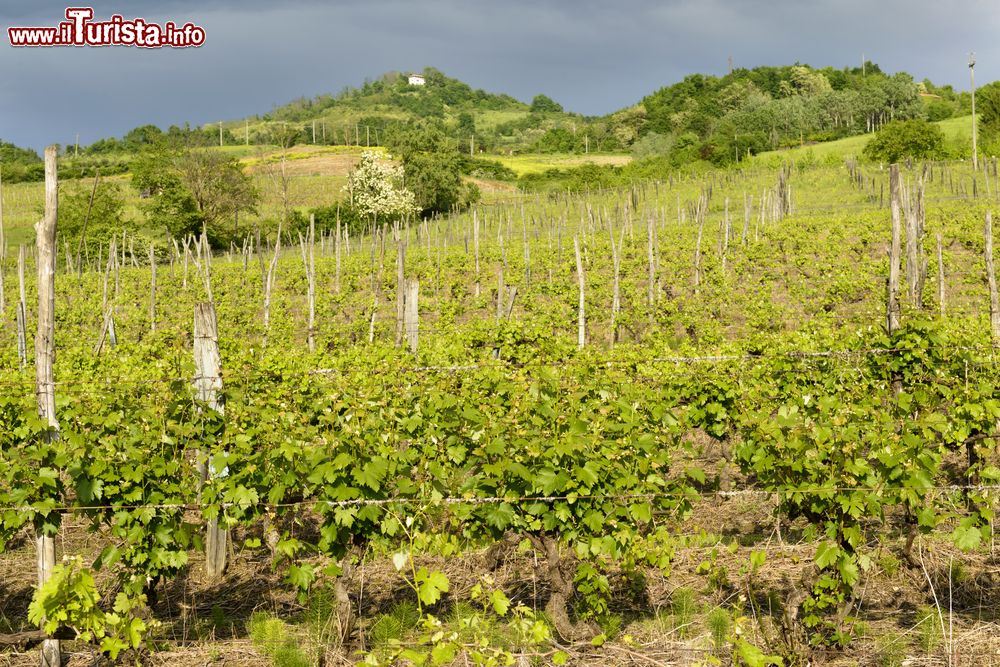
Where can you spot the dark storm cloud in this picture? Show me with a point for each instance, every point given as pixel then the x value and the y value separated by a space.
pixel 592 56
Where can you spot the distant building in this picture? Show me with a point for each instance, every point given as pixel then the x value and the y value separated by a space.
pixel 416 80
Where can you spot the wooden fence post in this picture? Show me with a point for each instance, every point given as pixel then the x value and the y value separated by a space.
pixel 45 231
pixel 208 384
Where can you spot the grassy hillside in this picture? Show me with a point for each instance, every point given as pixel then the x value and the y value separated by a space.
pixel 316 177
pixel 361 116
pixel 956 131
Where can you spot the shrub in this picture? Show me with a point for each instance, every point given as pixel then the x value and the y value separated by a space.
pixel 905 139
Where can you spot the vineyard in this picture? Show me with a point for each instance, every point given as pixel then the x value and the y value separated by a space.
pixel 741 418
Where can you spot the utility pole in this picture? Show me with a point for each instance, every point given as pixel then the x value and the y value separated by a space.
pixel 972 78
pixel 220 134
pixel 863 61
pixel 77 151
pixel 246 131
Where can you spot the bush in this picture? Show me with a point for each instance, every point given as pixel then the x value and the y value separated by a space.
pixel 905 139
pixel 652 145
pixel 988 106
pixel 488 169
pixel 103 210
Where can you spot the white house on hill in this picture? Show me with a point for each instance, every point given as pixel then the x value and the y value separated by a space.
pixel 416 80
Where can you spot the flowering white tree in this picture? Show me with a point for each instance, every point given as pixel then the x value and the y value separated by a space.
pixel 376 187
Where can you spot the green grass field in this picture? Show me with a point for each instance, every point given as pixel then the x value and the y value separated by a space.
pixel 956 131
pixel 533 163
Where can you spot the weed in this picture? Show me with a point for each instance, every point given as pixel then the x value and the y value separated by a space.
pixel 718 623
pixel 682 606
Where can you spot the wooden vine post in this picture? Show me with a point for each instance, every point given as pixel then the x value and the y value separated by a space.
pixel 22 316
pixel 991 280
pixel 651 268
pixel 412 313
pixel 940 276
pixel 581 338
pixel 700 217
pixel 45 231
pixel 3 251
pixel 336 251
pixel 400 287
pixel 269 283
pixel 895 251
pixel 208 384
pixel 309 262
pixel 475 243
pixel 616 297
pixel 152 289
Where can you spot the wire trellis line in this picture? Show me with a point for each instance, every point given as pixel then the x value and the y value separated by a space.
pixel 502 365
pixel 493 500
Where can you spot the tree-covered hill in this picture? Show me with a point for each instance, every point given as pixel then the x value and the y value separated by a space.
pixel 701 119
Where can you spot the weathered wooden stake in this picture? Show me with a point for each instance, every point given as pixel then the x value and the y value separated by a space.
pixel 412 313
pixel 22 313
pixel 309 262
pixel 336 251
pixel 616 297
pixel 581 337
pixel 747 206
pixel 895 205
pixel 725 235
pixel 3 251
pixel 400 287
pixel 107 331
pixel 152 289
pixel 269 283
pixel 45 232
pixel 991 279
pixel 651 277
pixel 208 384
pixel 940 276
pixel 700 215
pixel 475 243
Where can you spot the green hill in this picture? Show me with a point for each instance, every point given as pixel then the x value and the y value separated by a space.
pixel 489 122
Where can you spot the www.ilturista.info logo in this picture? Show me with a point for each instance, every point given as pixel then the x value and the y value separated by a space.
pixel 79 29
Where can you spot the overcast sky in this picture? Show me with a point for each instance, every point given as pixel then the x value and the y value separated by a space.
pixel 592 56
